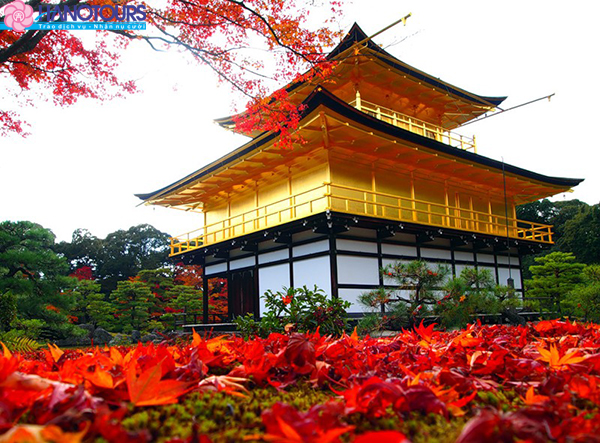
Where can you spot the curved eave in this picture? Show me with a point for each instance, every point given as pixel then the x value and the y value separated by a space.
pixel 342 108
pixel 222 162
pixel 322 97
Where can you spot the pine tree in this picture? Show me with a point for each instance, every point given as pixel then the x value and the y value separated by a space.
pixel 552 278
pixel 133 301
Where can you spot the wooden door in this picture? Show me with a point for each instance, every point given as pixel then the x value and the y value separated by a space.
pixel 242 293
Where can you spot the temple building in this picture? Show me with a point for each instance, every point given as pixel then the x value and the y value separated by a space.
pixel 381 176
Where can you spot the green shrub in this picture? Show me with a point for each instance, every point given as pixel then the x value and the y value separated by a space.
pixel 553 277
pixel 416 288
pixel 473 292
pixel 583 302
pixel 297 309
pixel 31 328
pixel 8 310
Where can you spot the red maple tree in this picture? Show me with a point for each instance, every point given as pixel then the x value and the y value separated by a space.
pixel 217 33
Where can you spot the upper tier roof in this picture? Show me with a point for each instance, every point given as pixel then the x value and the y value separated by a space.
pixel 385 80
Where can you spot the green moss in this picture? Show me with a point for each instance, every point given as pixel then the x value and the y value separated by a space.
pixel 225 418
pixel 418 428
pixel 222 417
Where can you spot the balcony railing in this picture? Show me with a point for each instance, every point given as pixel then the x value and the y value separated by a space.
pixel 415 125
pixel 357 201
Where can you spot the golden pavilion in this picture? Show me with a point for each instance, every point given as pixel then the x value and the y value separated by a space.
pixel 382 176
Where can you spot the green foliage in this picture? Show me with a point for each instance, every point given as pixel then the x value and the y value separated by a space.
pixel 84 250
pixel 186 298
pixel 370 323
pixel 576 228
pixel 581 235
pixel 418 279
pixel 35 275
pixel 121 255
pixel 541 211
pixel 87 297
pixel 473 292
pixel 297 309
pixel 583 302
pixel 102 314
pixel 8 309
pixel 16 341
pixel 132 301
pixel 416 288
pixel 31 328
pixel 555 275
pixel 396 315
pixel 125 253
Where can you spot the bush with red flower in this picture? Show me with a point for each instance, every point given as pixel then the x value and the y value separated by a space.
pixel 297 309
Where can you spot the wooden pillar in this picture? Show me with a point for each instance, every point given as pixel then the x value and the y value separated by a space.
pixel 491 227
pixel 204 295
pixel 412 196
pixel 333 265
pixel 474 224
pixel 292 208
pixel 447 203
pixel 374 189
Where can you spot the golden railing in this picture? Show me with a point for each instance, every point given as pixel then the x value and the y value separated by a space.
pixel 290 208
pixel 415 125
pixel 357 201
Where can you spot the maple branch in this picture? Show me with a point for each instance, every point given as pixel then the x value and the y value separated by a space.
pixel 27 42
pixel 271 30
pixel 37 68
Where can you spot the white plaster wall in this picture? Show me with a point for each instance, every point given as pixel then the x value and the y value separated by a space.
pixel 435 253
pixel 274 278
pixel 463 255
pixel 313 271
pixel 357 270
pixel 485 258
pixel 215 269
pixel 241 263
pixel 399 250
pixel 311 248
pixel 269 257
pixel 503 260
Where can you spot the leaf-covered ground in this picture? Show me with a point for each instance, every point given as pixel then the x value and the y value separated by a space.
pixel 533 383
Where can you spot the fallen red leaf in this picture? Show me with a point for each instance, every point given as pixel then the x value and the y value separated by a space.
pixel 149 390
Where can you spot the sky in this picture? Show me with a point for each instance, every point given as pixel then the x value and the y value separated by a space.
pixel 82 165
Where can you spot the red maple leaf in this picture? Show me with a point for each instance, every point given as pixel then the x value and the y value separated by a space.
pixel 148 389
